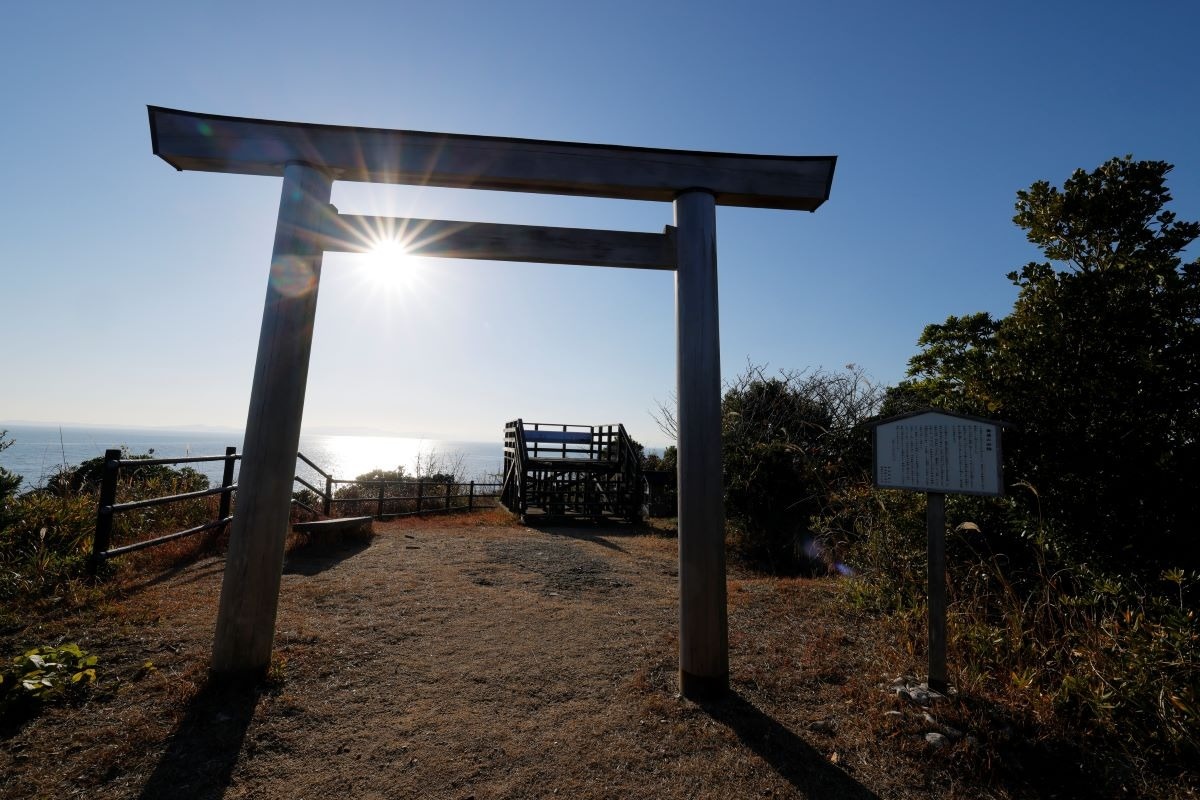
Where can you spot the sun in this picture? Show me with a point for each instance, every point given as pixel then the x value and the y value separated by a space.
pixel 389 267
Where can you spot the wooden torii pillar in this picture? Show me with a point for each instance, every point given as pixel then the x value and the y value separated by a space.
pixel 311 157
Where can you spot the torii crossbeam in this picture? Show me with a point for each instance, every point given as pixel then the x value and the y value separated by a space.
pixel 310 157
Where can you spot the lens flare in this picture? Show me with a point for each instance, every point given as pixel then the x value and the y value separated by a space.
pixel 388 266
pixel 292 276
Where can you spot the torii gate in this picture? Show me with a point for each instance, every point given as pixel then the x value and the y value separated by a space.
pixel 311 157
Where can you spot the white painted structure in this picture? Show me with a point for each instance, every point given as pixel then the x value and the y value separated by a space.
pixel 311 157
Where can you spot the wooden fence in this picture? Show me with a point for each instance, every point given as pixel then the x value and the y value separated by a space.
pixel 108 508
pixel 382 499
pixel 399 497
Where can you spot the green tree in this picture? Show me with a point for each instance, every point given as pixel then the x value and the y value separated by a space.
pixel 664 463
pixel 9 481
pixel 1096 365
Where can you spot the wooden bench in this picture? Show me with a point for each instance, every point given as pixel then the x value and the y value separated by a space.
pixel 579 448
pixel 559 437
pixel 356 525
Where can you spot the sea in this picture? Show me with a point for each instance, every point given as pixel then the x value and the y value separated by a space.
pixel 39 451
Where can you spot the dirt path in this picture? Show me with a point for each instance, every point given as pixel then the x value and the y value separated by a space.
pixel 467 661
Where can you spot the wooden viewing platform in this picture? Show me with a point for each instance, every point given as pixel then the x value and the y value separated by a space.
pixel 571 471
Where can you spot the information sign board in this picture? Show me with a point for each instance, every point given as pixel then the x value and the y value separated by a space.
pixel 934 451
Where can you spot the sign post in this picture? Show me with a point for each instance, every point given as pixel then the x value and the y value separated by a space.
pixel 935 523
pixel 938 453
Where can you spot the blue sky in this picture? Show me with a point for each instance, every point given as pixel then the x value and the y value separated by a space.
pixel 132 294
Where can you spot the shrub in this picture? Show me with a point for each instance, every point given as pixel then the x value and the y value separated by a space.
pixel 46 534
pixel 788 441
pixel 86 477
pixel 9 481
pixel 1091 655
pixel 401 490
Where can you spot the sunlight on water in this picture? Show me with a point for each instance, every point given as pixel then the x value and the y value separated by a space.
pixel 351 456
pixel 37 452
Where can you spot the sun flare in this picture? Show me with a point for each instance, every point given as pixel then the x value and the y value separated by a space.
pixel 389 266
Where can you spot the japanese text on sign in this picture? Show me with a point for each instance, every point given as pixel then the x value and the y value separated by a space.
pixel 936 452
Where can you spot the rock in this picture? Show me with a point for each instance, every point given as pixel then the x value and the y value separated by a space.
pixel 908 688
pixel 922 695
pixel 936 740
pixel 953 734
pixel 827 726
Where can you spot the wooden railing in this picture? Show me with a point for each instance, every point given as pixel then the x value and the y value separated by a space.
pixel 387 499
pixel 108 508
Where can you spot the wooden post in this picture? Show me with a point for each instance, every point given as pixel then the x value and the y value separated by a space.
pixel 104 514
pixel 935 522
pixel 703 633
pixel 254 564
pixel 448 485
pixel 327 507
pixel 226 482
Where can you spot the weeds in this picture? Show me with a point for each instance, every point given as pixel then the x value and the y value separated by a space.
pixel 46 534
pixel 45 675
pixel 1082 655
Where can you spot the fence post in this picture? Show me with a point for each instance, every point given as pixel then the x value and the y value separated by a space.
pixel 471 497
pixel 420 494
pixel 448 485
pixel 226 482
pixel 328 495
pixel 104 512
pixel 382 489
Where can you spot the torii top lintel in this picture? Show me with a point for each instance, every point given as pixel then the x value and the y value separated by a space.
pixel 215 143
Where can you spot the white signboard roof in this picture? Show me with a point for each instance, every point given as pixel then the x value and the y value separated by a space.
pixel 934 451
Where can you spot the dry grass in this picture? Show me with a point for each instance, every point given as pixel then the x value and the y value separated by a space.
pixel 469 657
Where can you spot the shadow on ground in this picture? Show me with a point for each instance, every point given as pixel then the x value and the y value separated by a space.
pixel 600 532
pixel 201 753
pixel 315 556
pixel 790 756
pixel 179 574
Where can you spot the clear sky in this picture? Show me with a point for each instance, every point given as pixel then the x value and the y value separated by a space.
pixel 132 294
